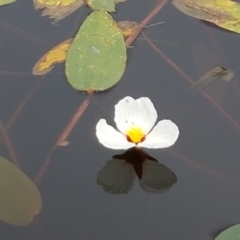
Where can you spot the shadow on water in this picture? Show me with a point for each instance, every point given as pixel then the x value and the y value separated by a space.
pixel 119 174
pixel 38 113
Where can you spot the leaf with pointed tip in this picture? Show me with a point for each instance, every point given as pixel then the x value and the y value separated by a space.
pixel 97 57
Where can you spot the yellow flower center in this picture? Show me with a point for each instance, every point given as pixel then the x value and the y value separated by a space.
pixel 135 135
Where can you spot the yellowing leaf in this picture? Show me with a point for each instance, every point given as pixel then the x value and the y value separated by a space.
pixel 20 200
pixel 57 9
pixel 223 13
pixel 105 5
pixel 127 27
pixel 56 55
pixel 4 2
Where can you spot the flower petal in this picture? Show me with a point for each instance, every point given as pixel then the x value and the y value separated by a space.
pixel 156 177
pixel 117 176
pixel 163 135
pixel 111 138
pixel 139 113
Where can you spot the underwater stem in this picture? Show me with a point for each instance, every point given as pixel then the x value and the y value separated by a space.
pixel 144 22
pixel 185 76
pixel 64 135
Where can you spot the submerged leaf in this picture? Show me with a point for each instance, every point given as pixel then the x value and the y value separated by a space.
pixel 223 13
pixel 56 55
pixel 57 9
pixel 20 200
pixel 105 5
pixel 97 57
pixel 212 75
pixel 4 2
pixel 232 233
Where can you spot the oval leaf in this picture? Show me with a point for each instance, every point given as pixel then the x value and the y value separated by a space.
pixel 97 57
pixel 232 233
pixel 20 200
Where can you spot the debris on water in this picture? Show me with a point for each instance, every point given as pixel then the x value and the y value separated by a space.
pixel 215 73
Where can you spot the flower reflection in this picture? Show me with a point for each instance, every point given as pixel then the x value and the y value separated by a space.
pixel 135 120
pixel 118 175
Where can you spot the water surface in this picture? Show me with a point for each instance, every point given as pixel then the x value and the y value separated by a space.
pixel 206 198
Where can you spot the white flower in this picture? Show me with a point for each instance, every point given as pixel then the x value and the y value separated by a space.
pixel 135 120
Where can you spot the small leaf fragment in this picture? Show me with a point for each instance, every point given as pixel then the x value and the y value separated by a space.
pixel 4 2
pixel 97 57
pixel 127 27
pixel 104 5
pixel 57 9
pixel 20 199
pixel 64 144
pixel 223 13
pixel 56 55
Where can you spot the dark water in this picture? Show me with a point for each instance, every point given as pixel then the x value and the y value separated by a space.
pixel 206 198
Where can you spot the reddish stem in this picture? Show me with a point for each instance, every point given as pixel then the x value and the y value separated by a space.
pixel 185 76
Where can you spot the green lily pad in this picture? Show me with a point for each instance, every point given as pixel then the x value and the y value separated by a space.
pixel 232 233
pixel 97 57
pixel 20 199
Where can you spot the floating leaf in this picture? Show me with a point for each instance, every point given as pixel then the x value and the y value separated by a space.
pixel 20 200
pixel 4 2
pixel 97 57
pixel 105 5
pixel 223 13
pixel 56 55
pixel 127 27
pixel 57 9
pixel 232 233
pixel 212 75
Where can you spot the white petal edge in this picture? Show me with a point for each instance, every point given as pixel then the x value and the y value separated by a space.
pixel 139 113
pixel 110 137
pixel 116 177
pixel 156 177
pixel 163 135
